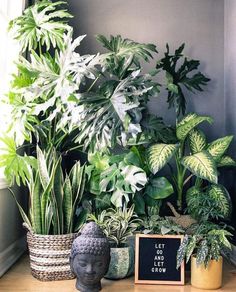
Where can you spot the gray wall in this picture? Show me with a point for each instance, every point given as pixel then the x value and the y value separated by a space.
pixel 198 23
pixel 206 26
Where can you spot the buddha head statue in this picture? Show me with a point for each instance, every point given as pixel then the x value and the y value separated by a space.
pixel 90 258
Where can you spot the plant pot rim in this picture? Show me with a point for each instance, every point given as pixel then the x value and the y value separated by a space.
pixel 194 257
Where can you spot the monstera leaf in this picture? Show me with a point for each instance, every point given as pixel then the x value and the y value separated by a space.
pixel 159 154
pixel 197 141
pixel 202 165
pixel 188 123
pixel 218 147
pixel 135 177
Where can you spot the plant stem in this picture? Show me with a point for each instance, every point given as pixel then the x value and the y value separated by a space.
pixel 188 178
pixel 40 50
pixel 180 175
pixel 94 82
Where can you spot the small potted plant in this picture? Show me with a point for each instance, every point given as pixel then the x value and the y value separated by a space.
pixel 118 224
pixel 204 248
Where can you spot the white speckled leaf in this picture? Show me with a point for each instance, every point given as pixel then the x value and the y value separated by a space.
pixel 202 165
pixel 197 141
pixel 188 123
pixel 218 147
pixel 159 154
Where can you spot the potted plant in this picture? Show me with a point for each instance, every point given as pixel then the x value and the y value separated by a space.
pixel 54 218
pixel 204 248
pixel 118 224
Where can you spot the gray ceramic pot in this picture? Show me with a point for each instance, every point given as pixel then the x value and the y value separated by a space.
pixel 122 263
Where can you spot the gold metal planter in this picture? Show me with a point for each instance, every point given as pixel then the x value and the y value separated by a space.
pixel 209 277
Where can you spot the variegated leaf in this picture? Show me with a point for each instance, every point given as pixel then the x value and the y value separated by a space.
pixel 202 165
pixel 159 154
pixel 222 200
pixel 226 161
pixel 190 248
pixel 202 252
pixel 188 123
pixel 218 147
pixel 197 141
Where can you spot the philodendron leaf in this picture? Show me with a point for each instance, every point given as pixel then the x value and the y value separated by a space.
pixel 202 165
pixel 221 199
pixel 197 141
pixel 226 161
pixel 188 123
pixel 218 147
pixel 159 154
pixel 159 188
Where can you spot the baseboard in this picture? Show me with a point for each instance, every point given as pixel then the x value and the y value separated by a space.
pixel 11 254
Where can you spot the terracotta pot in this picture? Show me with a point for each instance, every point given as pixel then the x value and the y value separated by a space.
pixel 209 277
pixel 122 263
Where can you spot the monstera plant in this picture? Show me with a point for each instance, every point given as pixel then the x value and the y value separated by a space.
pixel 201 162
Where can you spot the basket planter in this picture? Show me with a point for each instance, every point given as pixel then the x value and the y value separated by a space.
pixel 49 256
pixel 209 277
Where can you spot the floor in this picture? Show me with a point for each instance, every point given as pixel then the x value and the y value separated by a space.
pixel 18 278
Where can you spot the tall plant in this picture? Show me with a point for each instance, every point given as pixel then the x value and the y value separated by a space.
pixel 201 162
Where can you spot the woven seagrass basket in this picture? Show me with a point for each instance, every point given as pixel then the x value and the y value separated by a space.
pixel 49 256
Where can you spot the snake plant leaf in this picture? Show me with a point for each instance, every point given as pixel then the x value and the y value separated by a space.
pixel 221 200
pixel 218 147
pixel 202 165
pixel 22 212
pixel 159 188
pixel 35 191
pixel 39 25
pixel 67 203
pixel 188 123
pixel 135 177
pixel 159 154
pixel 197 141
pixel 42 167
pixel 226 161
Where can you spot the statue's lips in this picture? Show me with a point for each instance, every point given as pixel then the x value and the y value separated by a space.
pixel 89 277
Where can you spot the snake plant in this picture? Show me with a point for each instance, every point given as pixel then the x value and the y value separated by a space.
pixel 54 196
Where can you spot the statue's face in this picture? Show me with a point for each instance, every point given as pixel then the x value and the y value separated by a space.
pixel 89 269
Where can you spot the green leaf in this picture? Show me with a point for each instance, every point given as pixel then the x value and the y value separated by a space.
pixel 139 204
pixel 197 141
pixel 80 220
pixel 67 203
pixel 39 24
pixel 188 123
pixel 101 162
pixel 17 168
pixel 221 199
pixel 226 161
pixel 159 154
pixel 179 74
pixel 218 147
pixel 159 188
pixel 202 165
